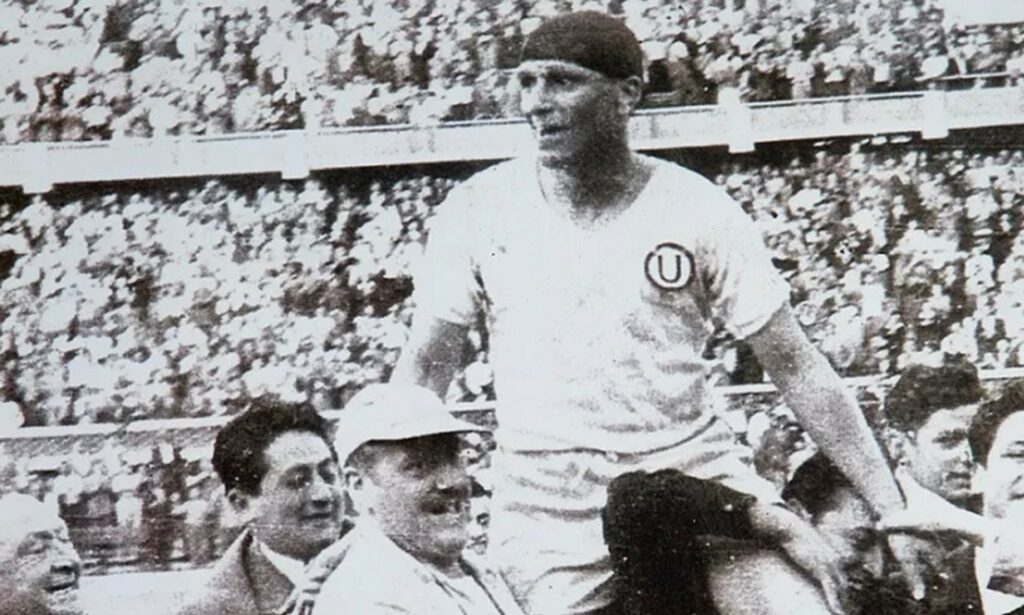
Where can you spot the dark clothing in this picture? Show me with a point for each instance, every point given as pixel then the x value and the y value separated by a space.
pixel 957 593
pixel 656 527
pixel 243 582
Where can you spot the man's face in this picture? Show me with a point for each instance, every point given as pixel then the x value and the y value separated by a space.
pixel 418 491
pixel 39 568
pixel 848 526
pixel 938 455
pixel 572 110
pixel 297 511
pixel 1003 485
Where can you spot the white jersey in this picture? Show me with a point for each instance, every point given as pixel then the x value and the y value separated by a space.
pixel 596 338
pixel 597 334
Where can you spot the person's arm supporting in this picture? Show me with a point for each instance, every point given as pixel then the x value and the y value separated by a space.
pixel 667 512
pixel 825 408
pixel 433 354
pixel 828 412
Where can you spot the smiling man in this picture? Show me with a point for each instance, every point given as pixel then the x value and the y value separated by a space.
pixel 39 568
pixel 930 410
pixel 281 476
pixel 406 479
pixel 603 273
pixel 997 441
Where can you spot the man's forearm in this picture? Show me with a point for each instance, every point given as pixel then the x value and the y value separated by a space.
pixel 834 421
pixel 826 409
pixel 432 356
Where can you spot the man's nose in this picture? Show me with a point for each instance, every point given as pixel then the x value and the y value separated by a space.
pixel 453 478
pixel 964 453
pixel 323 492
pixel 65 559
pixel 534 100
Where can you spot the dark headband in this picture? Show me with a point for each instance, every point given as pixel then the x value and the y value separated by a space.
pixel 590 39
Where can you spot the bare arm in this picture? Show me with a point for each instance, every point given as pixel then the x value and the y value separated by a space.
pixel 434 354
pixel 825 408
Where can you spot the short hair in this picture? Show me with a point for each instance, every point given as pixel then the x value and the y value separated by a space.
pixel 985 424
pixel 814 484
pixel 921 391
pixel 238 449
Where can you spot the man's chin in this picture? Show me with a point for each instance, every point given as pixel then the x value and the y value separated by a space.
pixel 63 602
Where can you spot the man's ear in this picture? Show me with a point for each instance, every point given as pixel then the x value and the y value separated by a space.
pixel 358 490
pixel 632 89
pixel 352 478
pixel 241 503
pixel 897 442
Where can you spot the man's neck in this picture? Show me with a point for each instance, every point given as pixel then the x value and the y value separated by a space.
pixel 447 566
pixel 599 185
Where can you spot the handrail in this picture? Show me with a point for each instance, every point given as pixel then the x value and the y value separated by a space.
pixel 465 408
pixel 37 167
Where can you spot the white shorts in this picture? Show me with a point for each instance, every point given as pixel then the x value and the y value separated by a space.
pixel 546 532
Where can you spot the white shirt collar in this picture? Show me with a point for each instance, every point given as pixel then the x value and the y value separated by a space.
pixel 992 602
pixel 293 569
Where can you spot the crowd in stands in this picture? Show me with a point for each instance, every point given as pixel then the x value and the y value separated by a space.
pixel 897 255
pixel 126 506
pixel 189 300
pixel 87 70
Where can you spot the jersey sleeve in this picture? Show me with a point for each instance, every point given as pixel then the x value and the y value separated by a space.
pixel 744 288
pixel 446 282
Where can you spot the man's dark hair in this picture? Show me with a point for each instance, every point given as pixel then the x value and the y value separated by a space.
pixel 814 484
pixel 238 450
pixel 985 424
pixel 922 391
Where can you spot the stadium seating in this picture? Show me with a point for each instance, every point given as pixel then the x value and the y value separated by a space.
pixel 142 68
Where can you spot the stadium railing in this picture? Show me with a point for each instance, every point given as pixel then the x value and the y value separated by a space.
pixel 37 167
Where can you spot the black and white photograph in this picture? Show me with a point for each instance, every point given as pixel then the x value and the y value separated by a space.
pixel 511 307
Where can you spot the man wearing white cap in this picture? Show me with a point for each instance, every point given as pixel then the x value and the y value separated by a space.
pixel 400 448
pixel 39 567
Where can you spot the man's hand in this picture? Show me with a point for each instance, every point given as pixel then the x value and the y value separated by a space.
pixel 812 554
pixel 805 547
pixel 303 597
pixel 928 515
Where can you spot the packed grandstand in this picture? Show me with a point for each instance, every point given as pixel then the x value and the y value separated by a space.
pixel 141 68
pixel 186 298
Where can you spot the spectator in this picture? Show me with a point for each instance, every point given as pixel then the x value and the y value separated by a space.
pixel 39 568
pixel 929 410
pixel 412 495
pixel 280 474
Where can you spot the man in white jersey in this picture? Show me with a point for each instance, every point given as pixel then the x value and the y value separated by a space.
pixel 602 273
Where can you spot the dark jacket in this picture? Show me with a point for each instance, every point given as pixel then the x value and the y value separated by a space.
pixel 242 582
pixel 958 592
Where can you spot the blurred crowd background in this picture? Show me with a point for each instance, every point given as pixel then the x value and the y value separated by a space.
pixel 103 69
pixel 183 299
pixel 188 298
